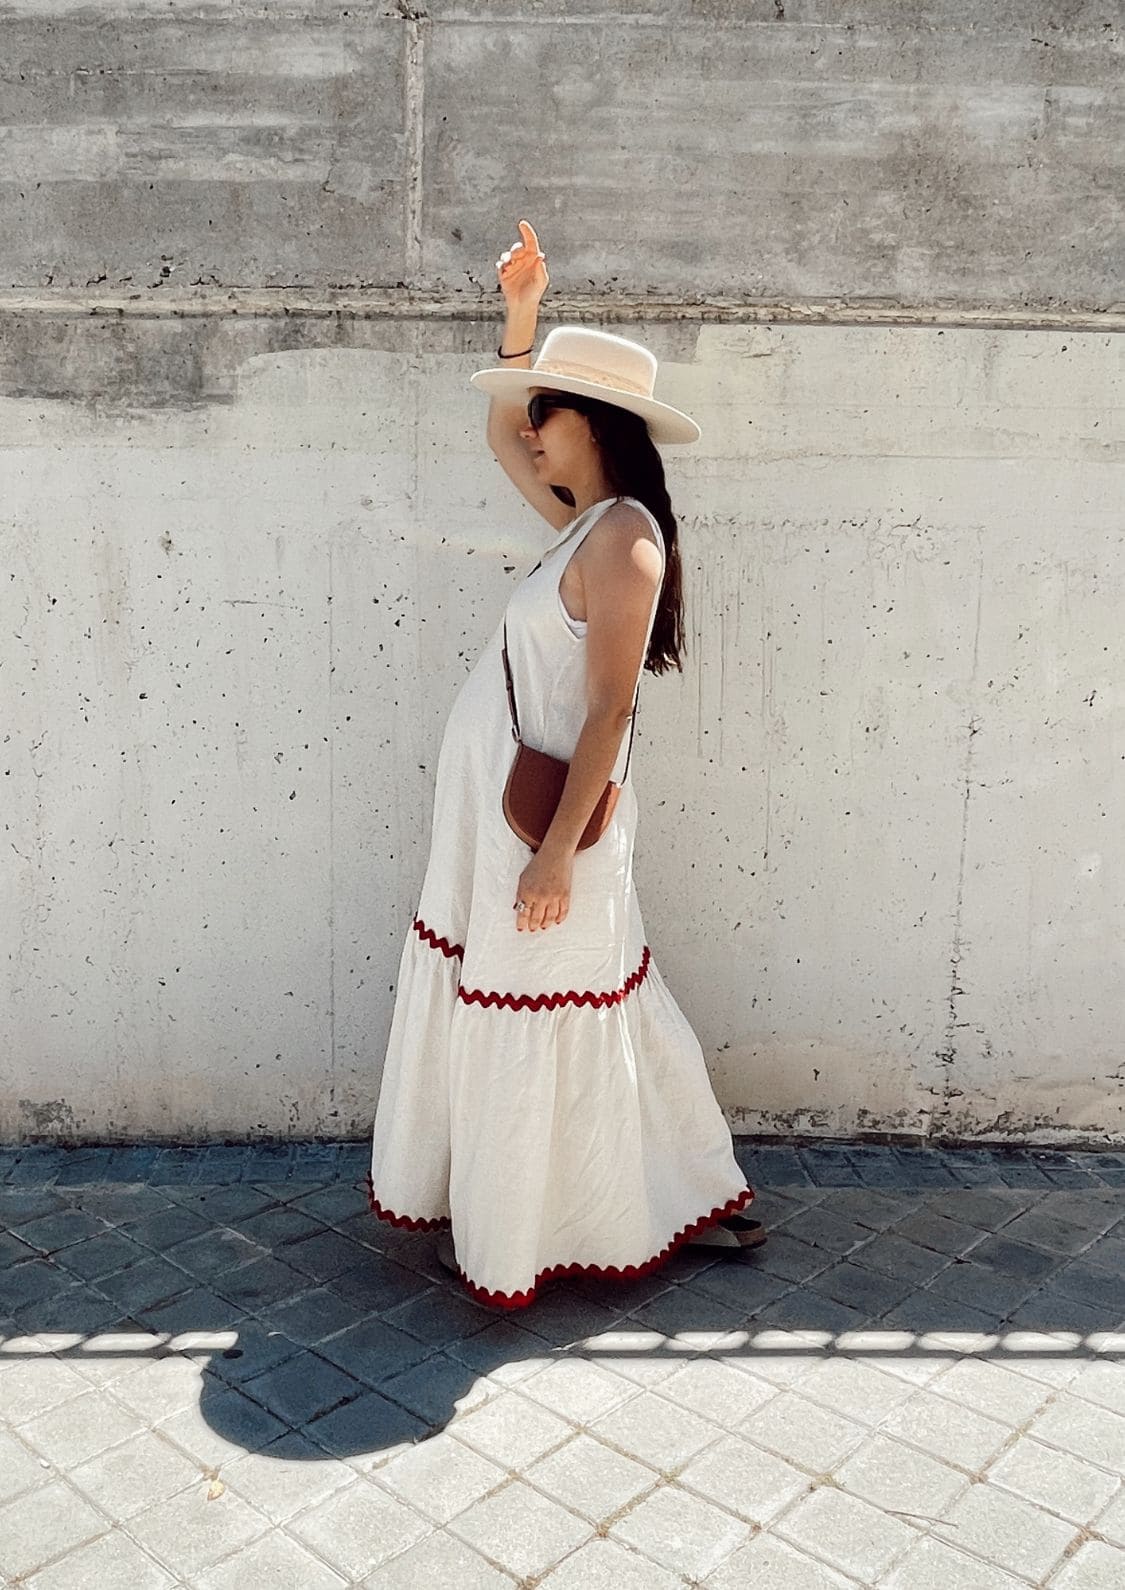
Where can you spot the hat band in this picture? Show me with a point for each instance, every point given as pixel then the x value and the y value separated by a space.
pixel 587 372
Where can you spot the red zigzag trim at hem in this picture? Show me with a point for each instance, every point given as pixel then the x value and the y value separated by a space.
pixel 405 1222
pixel 572 996
pixel 629 1272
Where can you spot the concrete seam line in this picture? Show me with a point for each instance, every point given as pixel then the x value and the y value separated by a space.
pixel 395 304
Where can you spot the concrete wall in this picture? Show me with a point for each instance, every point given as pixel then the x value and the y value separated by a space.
pixel 937 152
pixel 253 539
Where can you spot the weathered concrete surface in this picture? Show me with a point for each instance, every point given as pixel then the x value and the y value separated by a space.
pixel 880 810
pixel 854 149
pixel 253 538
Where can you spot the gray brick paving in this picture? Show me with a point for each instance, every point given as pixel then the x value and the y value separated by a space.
pixel 218 1369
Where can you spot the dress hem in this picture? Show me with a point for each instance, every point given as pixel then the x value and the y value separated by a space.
pixel 610 1272
pixel 404 1222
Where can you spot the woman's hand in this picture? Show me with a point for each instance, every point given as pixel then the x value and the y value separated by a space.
pixel 544 885
pixel 522 271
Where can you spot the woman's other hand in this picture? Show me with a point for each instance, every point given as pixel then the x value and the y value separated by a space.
pixel 522 270
pixel 544 885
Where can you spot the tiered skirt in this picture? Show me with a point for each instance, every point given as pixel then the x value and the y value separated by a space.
pixel 572 1133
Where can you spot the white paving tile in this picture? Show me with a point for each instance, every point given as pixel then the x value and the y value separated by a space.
pixel 79 1429
pixel 441 1477
pixel 770 1564
pixel 590 1477
pixel 993 1390
pixel 276 1560
pixel 160 1388
pixel 717 1392
pixel 607 1565
pixel 932 1565
pixel 1058 1481
pixel 358 1529
pixel 512 1430
pixel 112 1562
pixel 680 1531
pixel 812 1437
pixel 847 1532
pixel 1096 1434
pixel 193 1530
pixel 1111 1522
pixel 855 1390
pixel 520 1530
pixel 42 1524
pixel 1005 1531
pixel 132 1476
pixel 912 1485
pixel 20 1470
pixel 655 1431
pixel 947 1430
pixel 286 1477
pixel 1094 1566
pixel 749 1482
pixel 1103 1383
pixel 577 1389
pixel 437 1560
pixel 30 1388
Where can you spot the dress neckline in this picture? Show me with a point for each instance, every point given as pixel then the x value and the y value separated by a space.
pixel 568 529
pixel 590 509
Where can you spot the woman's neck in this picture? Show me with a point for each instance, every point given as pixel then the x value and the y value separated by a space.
pixel 605 497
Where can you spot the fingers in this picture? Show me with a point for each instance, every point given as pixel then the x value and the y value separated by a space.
pixel 514 262
pixel 543 914
pixel 531 921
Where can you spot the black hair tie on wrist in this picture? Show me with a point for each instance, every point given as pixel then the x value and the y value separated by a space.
pixel 514 355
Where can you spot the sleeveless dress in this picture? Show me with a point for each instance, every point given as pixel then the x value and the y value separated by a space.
pixel 542 1093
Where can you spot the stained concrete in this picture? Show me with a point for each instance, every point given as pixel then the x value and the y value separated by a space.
pixel 878 830
pixel 254 540
pixel 943 153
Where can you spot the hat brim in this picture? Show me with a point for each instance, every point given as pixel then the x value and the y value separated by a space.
pixel 666 425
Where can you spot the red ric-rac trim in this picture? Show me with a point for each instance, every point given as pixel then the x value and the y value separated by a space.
pixel 572 996
pixel 406 1222
pixel 431 938
pixel 477 996
pixel 630 1272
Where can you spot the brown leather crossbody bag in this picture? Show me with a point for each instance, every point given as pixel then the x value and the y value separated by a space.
pixel 535 781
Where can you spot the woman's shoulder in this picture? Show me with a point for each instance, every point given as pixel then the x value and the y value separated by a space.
pixel 609 543
pixel 629 513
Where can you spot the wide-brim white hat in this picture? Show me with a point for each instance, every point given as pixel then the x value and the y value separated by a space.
pixel 599 365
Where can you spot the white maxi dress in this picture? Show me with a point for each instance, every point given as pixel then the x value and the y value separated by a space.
pixel 542 1093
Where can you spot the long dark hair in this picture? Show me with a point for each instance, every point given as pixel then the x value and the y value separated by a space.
pixel 634 468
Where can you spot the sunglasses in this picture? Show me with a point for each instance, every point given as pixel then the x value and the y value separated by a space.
pixel 544 402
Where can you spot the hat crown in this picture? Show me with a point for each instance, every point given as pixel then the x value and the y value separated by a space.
pixel 600 357
pixel 593 364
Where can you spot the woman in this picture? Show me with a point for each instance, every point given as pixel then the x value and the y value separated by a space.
pixel 543 1095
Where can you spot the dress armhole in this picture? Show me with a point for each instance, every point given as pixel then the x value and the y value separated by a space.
pixel 577 626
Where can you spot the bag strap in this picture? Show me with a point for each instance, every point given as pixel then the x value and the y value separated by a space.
pixel 508 681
